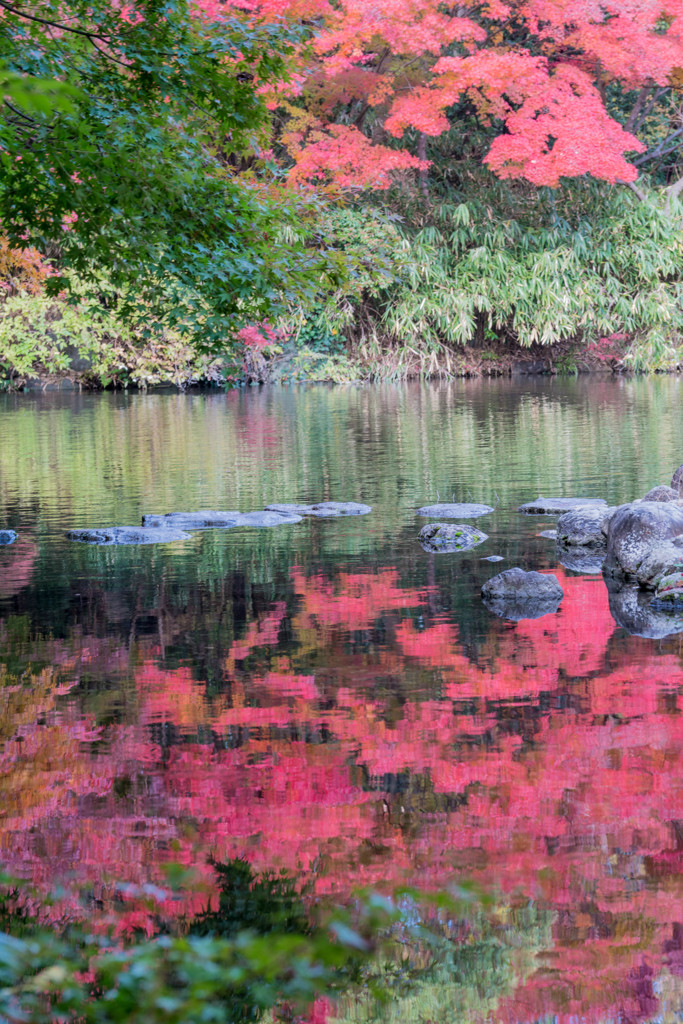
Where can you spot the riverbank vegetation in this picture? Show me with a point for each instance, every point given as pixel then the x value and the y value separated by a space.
pixel 288 189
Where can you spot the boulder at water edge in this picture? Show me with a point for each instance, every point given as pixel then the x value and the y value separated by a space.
pixel 207 519
pixel 556 506
pixel 661 493
pixel 7 537
pixel 677 481
pixel 455 510
pixel 127 535
pixel 450 537
pixel 582 526
pixel 645 541
pixel 324 509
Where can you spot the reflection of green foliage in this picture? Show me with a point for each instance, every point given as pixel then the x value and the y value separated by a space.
pixel 454 972
pixel 261 903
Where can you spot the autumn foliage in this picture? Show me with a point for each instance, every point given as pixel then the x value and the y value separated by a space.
pixel 534 72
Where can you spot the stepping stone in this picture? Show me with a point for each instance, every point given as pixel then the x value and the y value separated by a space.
pixel 455 510
pixel 492 558
pixel 7 537
pixel 207 520
pixel 444 537
pixel 326 509
pixel 127 535
pixel 556 506
pixel 548 534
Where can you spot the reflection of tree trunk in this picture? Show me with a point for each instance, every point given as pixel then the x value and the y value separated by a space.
pixel 422 173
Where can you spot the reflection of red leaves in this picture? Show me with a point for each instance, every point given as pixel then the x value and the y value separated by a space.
pixel 550 765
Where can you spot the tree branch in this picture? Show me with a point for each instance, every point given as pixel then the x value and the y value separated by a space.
pixel 51 24
pixel 637 107
pixel 673 192
pixel 659 149
pixel 638 191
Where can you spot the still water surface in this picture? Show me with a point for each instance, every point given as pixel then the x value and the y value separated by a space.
pixel 329 698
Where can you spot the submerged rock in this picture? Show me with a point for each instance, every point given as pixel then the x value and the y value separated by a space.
pixel 556 506
pixel 661 493
pixel 516 594
pixel 450 537
pixel 492 558
pixel 518 583
pixel 327 509
pixel 455 510
pixel 7 537
pixel 669 592
pixel 645 541
pixel 207 520
pixel 634 610
pixel 127 535
pixel 582 526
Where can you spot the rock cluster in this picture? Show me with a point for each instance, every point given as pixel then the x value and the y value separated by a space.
pixel 171 526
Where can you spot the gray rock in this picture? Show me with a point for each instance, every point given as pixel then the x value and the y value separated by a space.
pixel 202 520
pixel 645 541
pixel 268 518
pixel 7 537
pixel 633 610
pixel 127 535
pixel 518 584
pixel 492 558
pixel 450 537
pixel 455 510
pixel 207 519
pixel 556 506
pixel 582 526
pixel 677 481
pixel 548 534
pixel 661 493
pixel 326 509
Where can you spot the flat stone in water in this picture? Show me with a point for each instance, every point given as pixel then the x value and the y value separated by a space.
pixel 556 506
pixel 208 520
pixel 324 509
pixel 492 558
pixel 548 534
pixel 127 535
pixel 7 537
pixel 455 510
pixel 204 520
pixel 268 518
pixel 443 537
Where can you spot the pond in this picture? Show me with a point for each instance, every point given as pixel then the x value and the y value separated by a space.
pixel 328 697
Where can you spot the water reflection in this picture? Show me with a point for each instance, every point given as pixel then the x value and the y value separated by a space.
pixel 338 702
